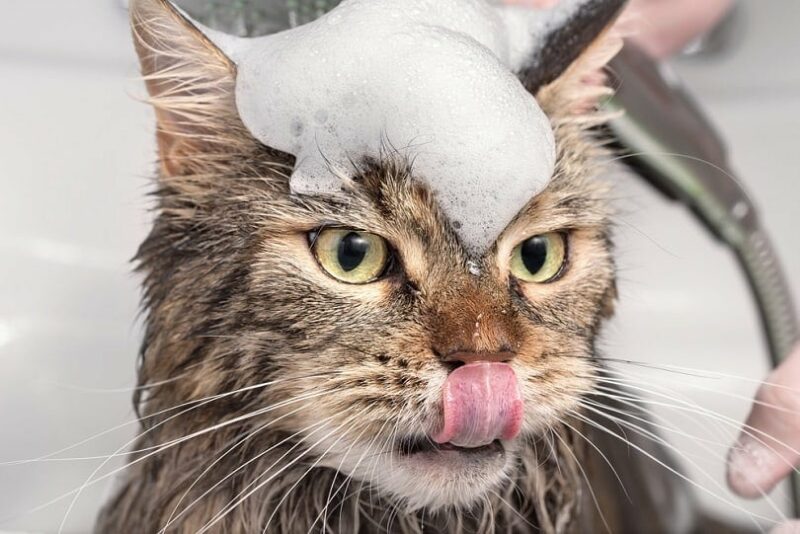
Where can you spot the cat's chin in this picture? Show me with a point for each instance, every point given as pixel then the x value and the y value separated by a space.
pixel 448 456
pixel 429 475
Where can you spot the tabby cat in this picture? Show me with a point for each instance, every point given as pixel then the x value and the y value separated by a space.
pixel 297 347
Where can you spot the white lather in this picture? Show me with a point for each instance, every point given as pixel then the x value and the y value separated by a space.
pixel 434 79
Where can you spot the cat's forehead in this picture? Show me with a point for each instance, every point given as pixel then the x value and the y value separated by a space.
pixel 431 79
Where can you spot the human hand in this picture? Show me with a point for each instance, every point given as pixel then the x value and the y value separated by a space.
pixel 792 527
pixel 664 27
pixel 768 448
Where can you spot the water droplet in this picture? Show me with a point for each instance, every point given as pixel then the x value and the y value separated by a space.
pixel 473 268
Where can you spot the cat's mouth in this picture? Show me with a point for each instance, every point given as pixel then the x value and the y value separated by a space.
pixel 435 474
pixel 413 446
pixel 481 403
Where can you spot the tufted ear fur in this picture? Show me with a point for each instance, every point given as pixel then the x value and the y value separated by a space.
pixel 566 72
pixel 574 96
pixel 191 86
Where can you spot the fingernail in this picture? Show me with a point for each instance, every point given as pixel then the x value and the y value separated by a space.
pixel 751 467
pixel 787 528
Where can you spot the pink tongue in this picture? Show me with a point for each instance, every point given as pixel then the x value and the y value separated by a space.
pixel 481 403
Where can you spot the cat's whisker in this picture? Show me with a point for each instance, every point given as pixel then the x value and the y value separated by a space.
pixel 394 511
pixel 698 440
pixel 93 479
pixel 310 469
pixel 618 387
pixel 669 468
pixel 602 455
pixel 636 404
pixel 551 449
pixel 733 427
pixel 699 416
pixel 245 493
pixel 368 454
pixel 588 482
pixel 103 391
pixel 700 373
pixel 682 455
pixel 389 444
pixel 346 483
pixel 690 410
pixel 386 444
pixel 755 433
pixel 624 415
pixel 651 421
pixel 513 509
pixel 683 156
pixel 331 494
pixel 172 517
pixel 156 449
pixel 193 404
pixel 749 399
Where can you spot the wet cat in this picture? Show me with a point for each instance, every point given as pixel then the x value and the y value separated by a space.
pixel 344 362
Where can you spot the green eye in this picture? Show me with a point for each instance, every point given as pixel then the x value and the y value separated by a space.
pixel 540 258
pixel 351 256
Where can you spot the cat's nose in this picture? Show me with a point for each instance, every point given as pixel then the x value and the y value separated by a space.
pixel 465 357
pixel 463 339
pixel 474 324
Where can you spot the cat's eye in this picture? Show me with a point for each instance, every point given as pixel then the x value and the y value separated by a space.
pixel 349 255
pixel 540 259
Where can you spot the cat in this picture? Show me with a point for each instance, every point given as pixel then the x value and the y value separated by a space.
pixel 296 347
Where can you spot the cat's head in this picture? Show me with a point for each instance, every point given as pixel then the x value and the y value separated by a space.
pixel 358 326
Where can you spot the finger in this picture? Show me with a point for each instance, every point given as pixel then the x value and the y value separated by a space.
pixel 769 448
pixel 793 527
pixel 665 27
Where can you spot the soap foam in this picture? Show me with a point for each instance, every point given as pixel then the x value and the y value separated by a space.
pixel 432 78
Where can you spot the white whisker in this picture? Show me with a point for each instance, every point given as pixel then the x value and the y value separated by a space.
pixel 588 483
pixel 245 494
pixel 310 468
pixel 174 517
pixel 92 480
pixel 658 439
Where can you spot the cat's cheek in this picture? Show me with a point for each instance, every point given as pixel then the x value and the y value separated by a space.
pixel 551 395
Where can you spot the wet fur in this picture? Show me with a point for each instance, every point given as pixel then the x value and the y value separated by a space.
pixel 234 299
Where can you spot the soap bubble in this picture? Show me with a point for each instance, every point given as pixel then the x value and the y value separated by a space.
pixel 402 71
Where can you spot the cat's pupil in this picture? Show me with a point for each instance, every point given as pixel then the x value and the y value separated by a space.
pixel 534 254
pixel 352 250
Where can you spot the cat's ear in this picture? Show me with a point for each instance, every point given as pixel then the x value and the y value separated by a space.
pixel 565 70
pixel 191 84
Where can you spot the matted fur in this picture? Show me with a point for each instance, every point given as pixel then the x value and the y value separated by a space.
pixel 268 385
